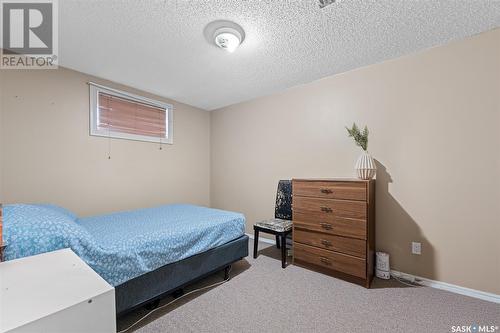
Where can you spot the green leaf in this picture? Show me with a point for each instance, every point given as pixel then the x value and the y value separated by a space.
pixel 360 137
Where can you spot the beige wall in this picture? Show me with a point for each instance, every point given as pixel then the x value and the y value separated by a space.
pixel 435 122
pixel 48 155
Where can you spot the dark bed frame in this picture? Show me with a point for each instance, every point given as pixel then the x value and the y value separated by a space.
pixel 152 286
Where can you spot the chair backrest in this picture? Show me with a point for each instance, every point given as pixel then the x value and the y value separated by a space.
pixel 283 208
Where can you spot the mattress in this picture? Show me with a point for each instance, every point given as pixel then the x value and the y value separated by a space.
pixel 125 245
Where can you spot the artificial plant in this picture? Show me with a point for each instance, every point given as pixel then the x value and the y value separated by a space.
pixel 360 137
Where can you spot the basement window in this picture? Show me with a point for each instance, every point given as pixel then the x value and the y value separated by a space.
pixel 121 115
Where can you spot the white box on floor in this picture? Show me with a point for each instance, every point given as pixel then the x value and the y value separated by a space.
pixel 54 292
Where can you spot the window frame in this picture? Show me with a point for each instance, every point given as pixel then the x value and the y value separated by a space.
pixel 95 89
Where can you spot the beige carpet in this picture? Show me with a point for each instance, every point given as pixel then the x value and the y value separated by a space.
pixel 261 296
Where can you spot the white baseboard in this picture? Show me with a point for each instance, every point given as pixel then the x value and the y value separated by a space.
pixel 263 239
pixel 449 287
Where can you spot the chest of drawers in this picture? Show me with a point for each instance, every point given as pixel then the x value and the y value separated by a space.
pixel 334 227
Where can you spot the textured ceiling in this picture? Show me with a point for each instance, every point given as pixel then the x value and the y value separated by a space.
pixel 159 46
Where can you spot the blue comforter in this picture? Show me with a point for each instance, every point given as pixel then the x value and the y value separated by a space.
pixel 120 246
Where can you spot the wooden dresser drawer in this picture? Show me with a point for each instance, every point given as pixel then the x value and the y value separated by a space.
pixel 331 190
pixel 338 226
pixel 351 246
pixel 327 209
pixel 331 260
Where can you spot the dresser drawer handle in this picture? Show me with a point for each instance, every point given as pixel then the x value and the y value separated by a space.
pixel 326 191
pixel 324 260
pixel 326 209
pixel 326 226
pixel 326 242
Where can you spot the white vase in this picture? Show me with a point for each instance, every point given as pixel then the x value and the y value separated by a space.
pixel 365 166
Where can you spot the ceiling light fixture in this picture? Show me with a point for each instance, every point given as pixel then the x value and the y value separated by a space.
pixel 226 35
pixel 227 39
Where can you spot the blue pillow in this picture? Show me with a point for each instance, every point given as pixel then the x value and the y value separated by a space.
pixel 33 229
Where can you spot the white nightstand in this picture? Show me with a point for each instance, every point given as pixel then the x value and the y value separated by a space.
pixel 54 292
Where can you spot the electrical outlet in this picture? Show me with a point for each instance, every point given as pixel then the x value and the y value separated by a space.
pixel 416 248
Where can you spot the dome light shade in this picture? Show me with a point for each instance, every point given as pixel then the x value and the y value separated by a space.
pixel 227 38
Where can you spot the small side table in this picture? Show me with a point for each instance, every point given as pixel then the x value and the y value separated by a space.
pixel 55 292
pixel 280 228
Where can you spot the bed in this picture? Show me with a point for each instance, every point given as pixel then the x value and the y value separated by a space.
pixel 143 253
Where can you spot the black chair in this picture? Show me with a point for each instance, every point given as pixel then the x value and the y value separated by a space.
pixel 281 225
